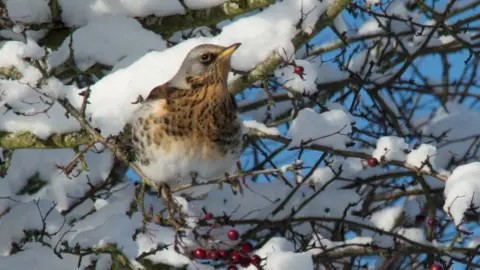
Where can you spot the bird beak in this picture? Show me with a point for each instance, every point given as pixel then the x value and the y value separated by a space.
pixel 230 49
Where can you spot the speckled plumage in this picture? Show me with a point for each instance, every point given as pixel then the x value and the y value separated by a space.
pixel 189 126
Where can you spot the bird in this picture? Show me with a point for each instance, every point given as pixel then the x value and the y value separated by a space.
pixel 188 129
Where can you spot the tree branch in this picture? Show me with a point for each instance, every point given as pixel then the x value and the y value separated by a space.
pixel 25 139
pixel 167 25
pixel 346 153
pixel 260 71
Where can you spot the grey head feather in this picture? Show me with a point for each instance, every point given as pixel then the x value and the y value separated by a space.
pixel 193 65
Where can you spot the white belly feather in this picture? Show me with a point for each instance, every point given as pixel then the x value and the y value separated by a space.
pixel 180 162
pixel 176 169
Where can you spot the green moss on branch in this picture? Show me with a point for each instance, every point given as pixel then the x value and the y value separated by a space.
pixel 24 139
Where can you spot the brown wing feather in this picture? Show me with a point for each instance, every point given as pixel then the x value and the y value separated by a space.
pixel 160 92
pixel 234 102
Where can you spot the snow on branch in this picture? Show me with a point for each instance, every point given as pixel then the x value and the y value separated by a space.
pixel 261 70
pixel 163 18
pixel 348 153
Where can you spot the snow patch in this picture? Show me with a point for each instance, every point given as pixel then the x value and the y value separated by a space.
pixel 261 127
pixel 330 128
pixel 462 191
pixel 391 148
pixel 424 153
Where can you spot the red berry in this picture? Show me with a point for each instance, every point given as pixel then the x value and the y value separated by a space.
pixel 246 247
pixel 236 257
pixel 435 267
pixel 208 216
pixel 223 254
pixel 232 267
pixel 232 235
pixel 419 219
pixel 431 222
pixel 200 253
pixel 244 261
pixel 212 255
pixel 255 260
pixel 298 70
pixel 372 162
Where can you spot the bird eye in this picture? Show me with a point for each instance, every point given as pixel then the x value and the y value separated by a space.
pixel 207 57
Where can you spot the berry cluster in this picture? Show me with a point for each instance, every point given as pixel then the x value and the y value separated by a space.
pixel 238 257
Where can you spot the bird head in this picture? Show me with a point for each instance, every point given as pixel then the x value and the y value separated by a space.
pixel 206 62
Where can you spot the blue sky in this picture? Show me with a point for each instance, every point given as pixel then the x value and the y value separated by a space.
pixel 430 66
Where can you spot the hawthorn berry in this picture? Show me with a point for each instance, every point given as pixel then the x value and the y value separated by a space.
pixel 298 70
pixel 208 216
pixel 435 267
pixel 255 260
pixel 244 261
pixel 419 219
pixel 212 255
pixel 236 257
pixel 232 267
pixel 200 253
pixel 223 254
pixel 431 222
pixel 232 235
pixel 372 162
pixel 246 247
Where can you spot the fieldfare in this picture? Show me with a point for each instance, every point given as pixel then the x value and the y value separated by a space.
pixel 188 128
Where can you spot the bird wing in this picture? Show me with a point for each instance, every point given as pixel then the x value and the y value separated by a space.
pixel 166 92
pixel 125 137
pixel 160 92
pixel 234 102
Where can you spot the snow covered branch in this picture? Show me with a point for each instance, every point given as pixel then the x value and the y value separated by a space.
pixel 345 153
pixel 167 25
pixel 185 16
pixel 269 65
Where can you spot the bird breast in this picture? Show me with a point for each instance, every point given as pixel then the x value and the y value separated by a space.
pixel 195 132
